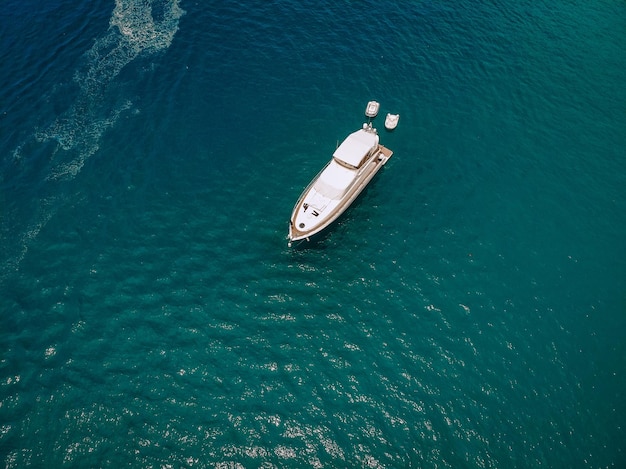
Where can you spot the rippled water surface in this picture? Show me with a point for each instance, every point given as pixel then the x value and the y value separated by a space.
pixel 468 311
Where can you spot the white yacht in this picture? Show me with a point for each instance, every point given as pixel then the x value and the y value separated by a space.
pixel 354 163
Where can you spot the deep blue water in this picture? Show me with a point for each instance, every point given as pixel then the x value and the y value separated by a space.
pixel 468 311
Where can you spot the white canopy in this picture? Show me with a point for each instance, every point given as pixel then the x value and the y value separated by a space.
pixel 334 180
pixel 356 147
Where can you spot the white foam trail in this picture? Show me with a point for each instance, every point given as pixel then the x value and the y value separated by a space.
pixel 136 28
pixel 133 31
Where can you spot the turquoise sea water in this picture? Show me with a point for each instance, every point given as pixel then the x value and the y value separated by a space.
pixel 468 311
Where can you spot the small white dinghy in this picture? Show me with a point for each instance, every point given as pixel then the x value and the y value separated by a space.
pixel 372 109
pixel 391 121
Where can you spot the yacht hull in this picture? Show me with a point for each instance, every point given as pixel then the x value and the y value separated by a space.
pixel 323 219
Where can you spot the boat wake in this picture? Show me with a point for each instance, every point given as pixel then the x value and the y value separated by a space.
pixel 136 28
pixel 133 31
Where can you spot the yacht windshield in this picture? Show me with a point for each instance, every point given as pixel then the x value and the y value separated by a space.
pixel 334 180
